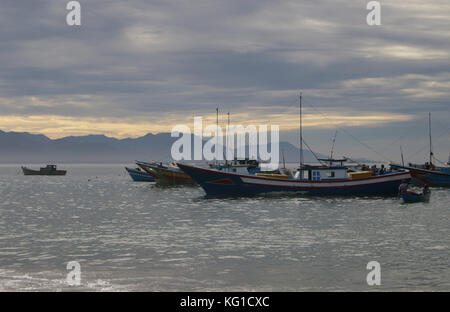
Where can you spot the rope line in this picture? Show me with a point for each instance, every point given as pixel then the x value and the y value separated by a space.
pixel 426 146
pixel 351 135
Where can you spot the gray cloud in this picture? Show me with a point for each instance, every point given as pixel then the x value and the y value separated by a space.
pixel 131 58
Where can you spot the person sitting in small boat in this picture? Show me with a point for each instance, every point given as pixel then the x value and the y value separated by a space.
pixel 403 188
pixel 426 190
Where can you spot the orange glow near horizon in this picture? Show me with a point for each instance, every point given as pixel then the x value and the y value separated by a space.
pixel 57 126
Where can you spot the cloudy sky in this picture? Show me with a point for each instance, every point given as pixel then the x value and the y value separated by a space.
pixel 138 66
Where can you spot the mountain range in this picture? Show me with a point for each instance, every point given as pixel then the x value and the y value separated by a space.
pixel 24 147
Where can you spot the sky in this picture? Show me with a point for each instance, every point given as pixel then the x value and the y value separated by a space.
pixel 136 66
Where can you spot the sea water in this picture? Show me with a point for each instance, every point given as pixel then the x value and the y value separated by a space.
pixel 137 236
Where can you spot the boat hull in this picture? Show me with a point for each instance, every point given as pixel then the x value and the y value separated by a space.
pixel 165 175
pixel 215 182
pixel 415 198
pixel 139 176
pixel 437 179
pixel 28 172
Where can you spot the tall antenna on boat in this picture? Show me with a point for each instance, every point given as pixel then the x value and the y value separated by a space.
pixel 301 134
pixel 401 152
pixel 431 146
pixel 332 147
pixel 226 139
pixel 217 135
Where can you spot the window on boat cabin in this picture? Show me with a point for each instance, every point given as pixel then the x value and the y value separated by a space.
pixel 331 174
pixel 303 174
pixel 316 175
pixel 306 174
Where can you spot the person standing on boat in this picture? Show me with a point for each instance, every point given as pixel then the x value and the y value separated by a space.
pixel 426 190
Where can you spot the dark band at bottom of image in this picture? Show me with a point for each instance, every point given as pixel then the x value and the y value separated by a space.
pixel 259 301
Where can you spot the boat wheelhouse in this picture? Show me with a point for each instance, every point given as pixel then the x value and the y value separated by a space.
pixel 323 172
pixel 241 165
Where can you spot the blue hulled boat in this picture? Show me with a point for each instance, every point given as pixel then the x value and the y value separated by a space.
pixel 428 173
pixel 437 176
pixel 139 176
pixel 409 197
pixel 310 180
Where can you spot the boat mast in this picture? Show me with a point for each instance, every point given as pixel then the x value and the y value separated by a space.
pixel 226 139
pixel 332 148
pixel 301 134
pixel 431 146
pixel 401 152
pixel 217 135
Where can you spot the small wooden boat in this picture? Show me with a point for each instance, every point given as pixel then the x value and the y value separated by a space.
pixel 411 197
pixel 47 170
pixel 139 175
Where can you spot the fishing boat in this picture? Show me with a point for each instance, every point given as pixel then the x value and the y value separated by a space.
pixel 139 175
pixel 330 178
pixel 428 173
pixel 411 197
pixel 238 164
pixel 166 174
pixel 309 180
pixel 172 174
pixel 47 170
pixel 434 176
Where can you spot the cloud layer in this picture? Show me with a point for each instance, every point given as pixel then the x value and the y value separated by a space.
pixel 143 65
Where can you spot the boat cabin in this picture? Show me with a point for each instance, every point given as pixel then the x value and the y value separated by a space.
pixel 237 163
pixel 333 170
pixel 321 173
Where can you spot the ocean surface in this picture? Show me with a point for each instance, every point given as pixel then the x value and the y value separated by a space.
pixel 131 236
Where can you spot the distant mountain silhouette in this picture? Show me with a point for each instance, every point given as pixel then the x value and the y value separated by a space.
pixel 23 147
